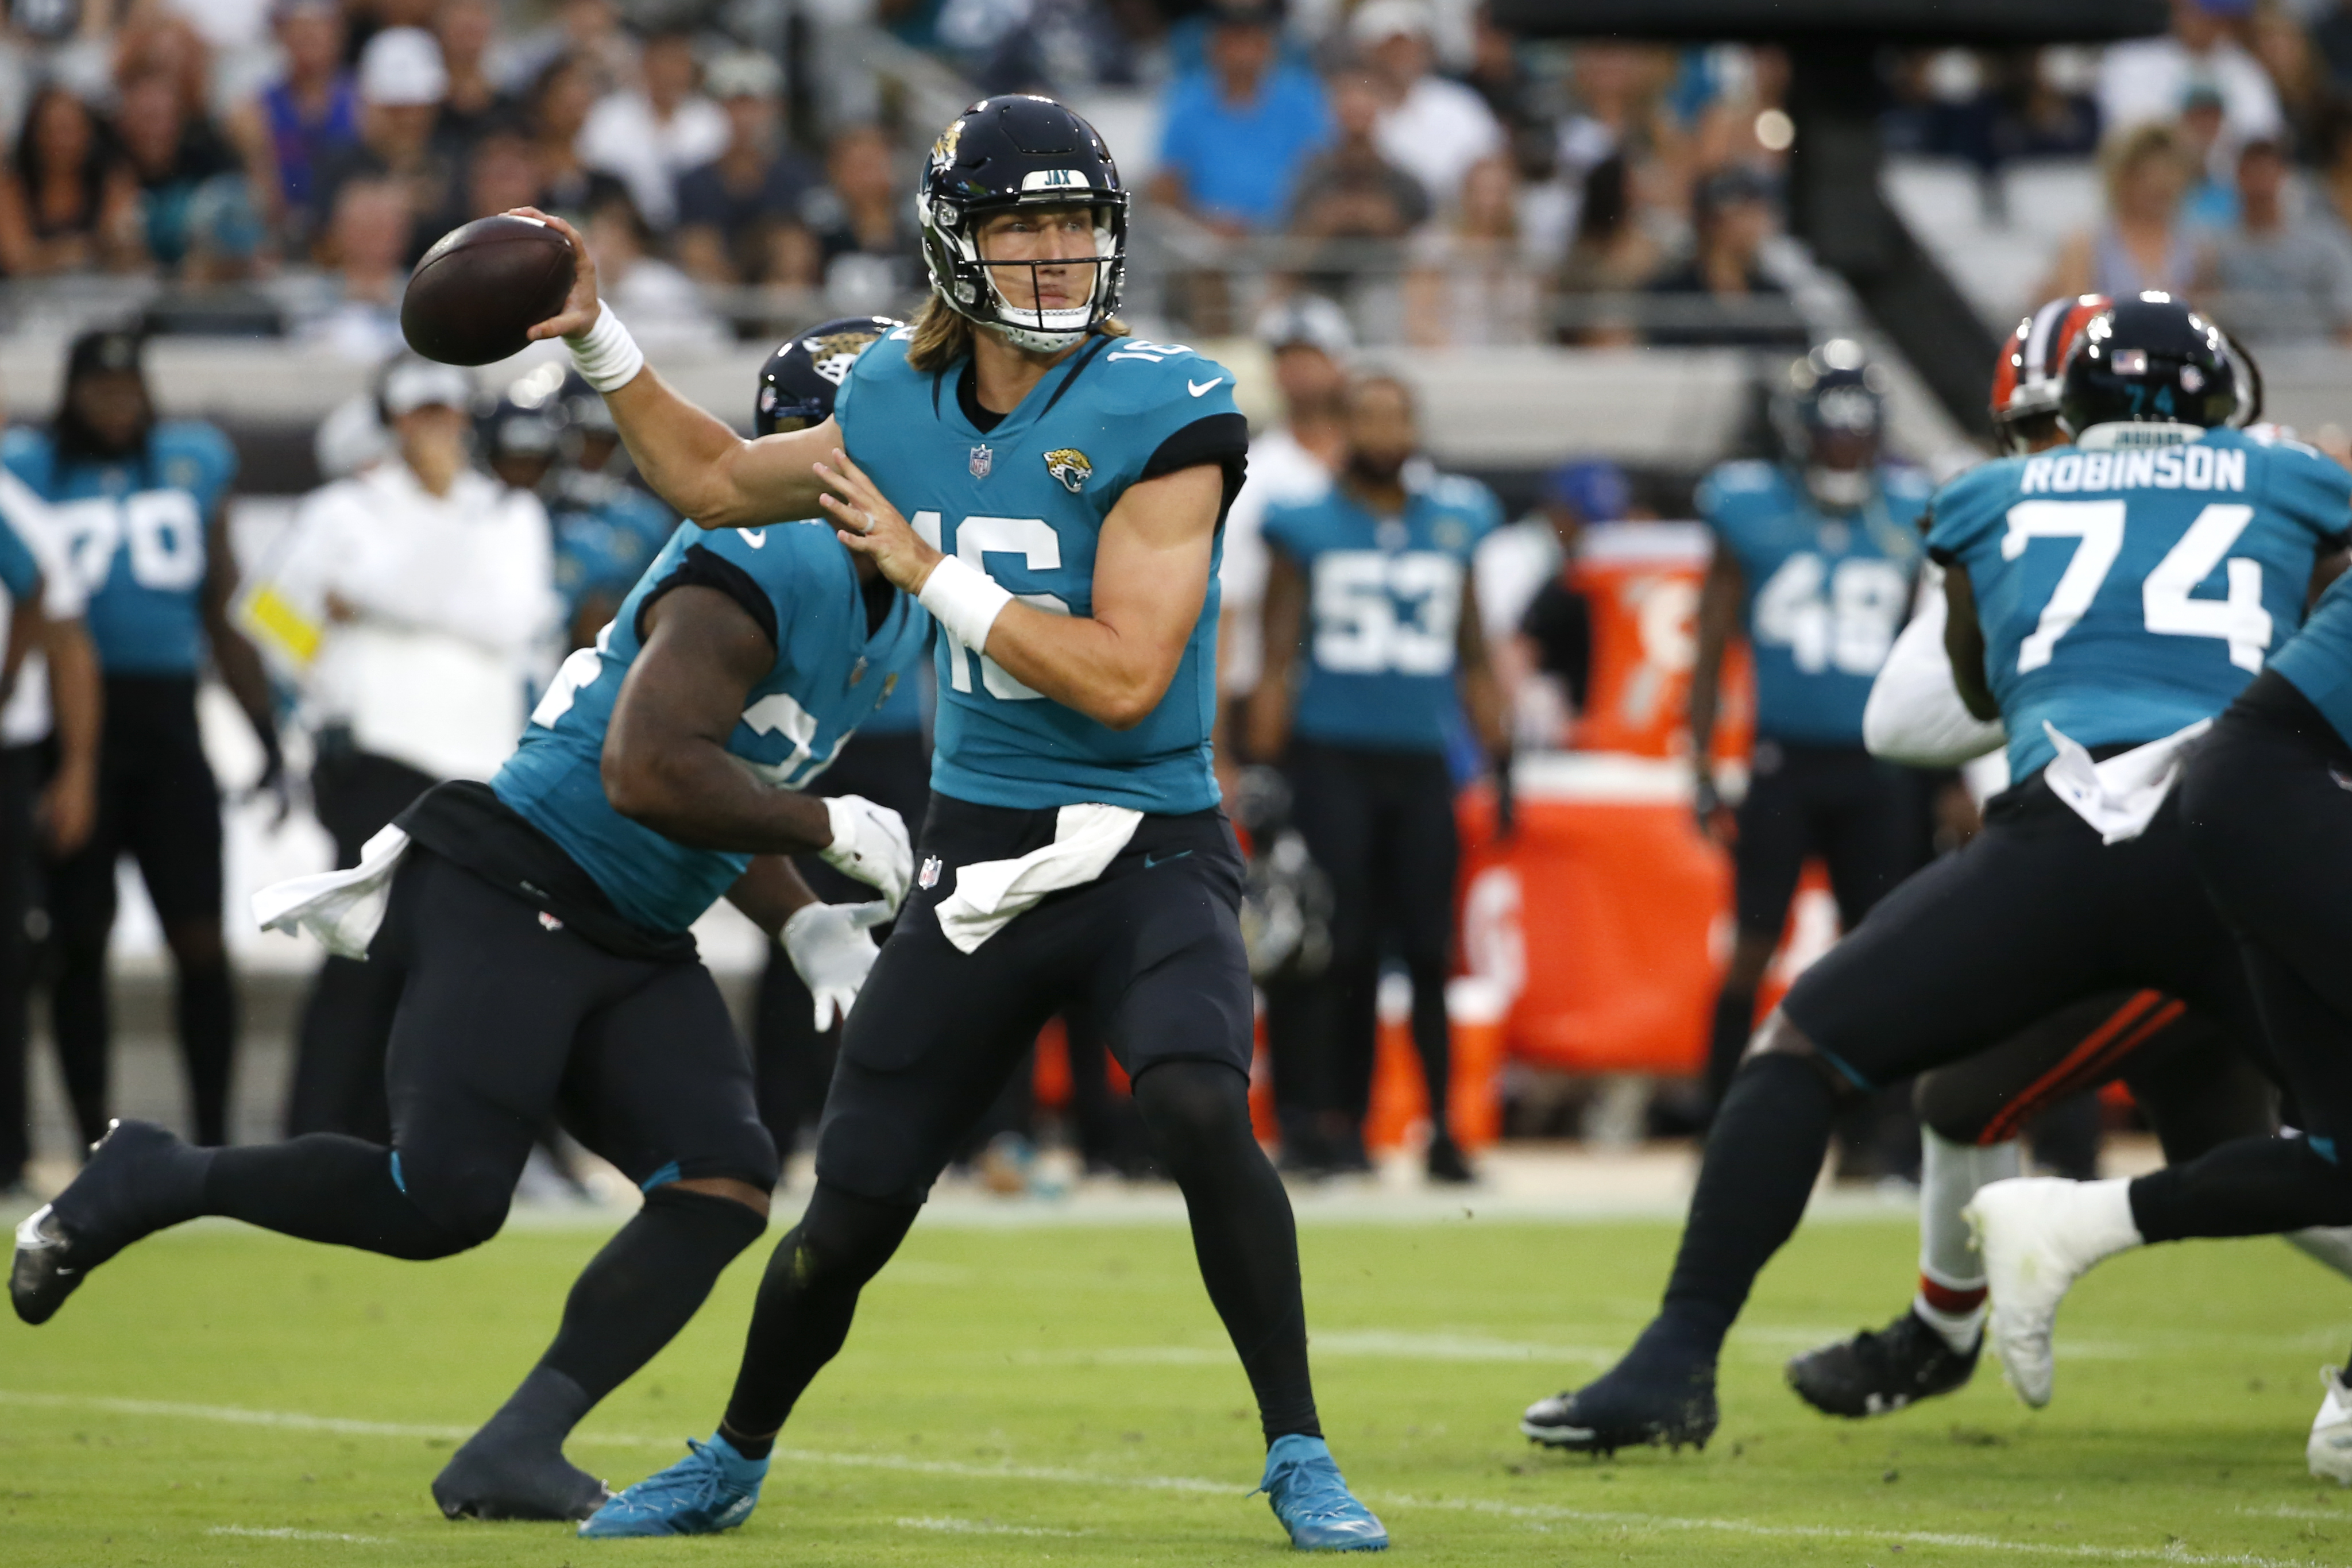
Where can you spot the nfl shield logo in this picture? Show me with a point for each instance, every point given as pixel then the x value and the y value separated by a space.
pixel 982 459
pixel 930 877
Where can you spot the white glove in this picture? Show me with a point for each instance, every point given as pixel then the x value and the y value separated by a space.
pixel 831 953
pixel 869 843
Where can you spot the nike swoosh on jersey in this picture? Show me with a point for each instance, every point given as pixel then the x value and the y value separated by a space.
pixel 1198 387
pixel 756 538
pixel 1151 860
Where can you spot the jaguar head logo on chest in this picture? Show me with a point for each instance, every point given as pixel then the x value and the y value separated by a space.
pixel 1070 466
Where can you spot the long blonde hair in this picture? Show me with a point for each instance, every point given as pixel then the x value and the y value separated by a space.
pixel 944 335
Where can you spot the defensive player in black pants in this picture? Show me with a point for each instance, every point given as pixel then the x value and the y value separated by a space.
pixel 1373 652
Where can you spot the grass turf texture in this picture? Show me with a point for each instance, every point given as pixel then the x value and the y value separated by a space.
pixel 1063 1393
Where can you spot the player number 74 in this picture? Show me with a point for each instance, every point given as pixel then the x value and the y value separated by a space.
pixel 2166 607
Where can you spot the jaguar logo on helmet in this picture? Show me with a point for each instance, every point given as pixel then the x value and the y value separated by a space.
pixel 831 355
pixel 943 151
pixel 1071 467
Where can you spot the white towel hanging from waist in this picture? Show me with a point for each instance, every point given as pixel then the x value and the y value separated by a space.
pixel 989 894
pixel 341 909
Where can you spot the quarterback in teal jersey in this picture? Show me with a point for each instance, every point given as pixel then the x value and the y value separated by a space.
pixel 1814 558
pixel 2107 627
pixel 539 929
pixel 1054 489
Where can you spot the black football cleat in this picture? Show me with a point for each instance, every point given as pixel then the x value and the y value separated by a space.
pixel 1630 1405
pixel 139 1178
pixel 1878 1373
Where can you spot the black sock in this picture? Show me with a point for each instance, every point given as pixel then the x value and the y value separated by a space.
pixel 2248 1186
pixel 1242 1232
pixel 639 1292
pixel 1761 1161
pixel 806 1299
pixel 323 1186
pixel 1434 1043
pixel 207 1009
pixel 1735 1021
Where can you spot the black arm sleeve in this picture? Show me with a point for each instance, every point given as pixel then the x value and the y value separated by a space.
pixel 701 568
pixel 1219 438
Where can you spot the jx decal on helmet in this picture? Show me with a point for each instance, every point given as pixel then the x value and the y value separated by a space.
pixel 1004 154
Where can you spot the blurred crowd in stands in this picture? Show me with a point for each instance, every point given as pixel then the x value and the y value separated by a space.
pixel 1466 186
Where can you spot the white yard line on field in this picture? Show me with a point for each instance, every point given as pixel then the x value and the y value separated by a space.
pixel 279 1534
pixel 982 1527
pixel 1535 1515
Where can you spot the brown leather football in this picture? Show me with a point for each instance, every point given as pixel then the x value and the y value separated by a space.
pixel 482 287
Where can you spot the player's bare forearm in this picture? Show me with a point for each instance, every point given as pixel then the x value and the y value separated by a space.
pixel 1964 645
pixel 771 892
pixel 691 458
pixel 26 628
pixel 1482 691
pixel 1719 608
pixel 1285 618
pixel 665 763
pixel 68 805
pixel 1152 577
pixel 240 668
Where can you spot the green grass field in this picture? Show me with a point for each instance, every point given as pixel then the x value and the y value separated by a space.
pixel 1062 1392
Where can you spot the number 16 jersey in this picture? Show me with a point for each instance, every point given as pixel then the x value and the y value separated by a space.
pixel 1024 499
pixel 2131 585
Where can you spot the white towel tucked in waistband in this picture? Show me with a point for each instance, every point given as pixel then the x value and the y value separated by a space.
pixel 341 909
pixel 2119 796
pixel 990 893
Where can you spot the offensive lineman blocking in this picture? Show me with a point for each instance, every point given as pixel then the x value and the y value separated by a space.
pixel 1076 480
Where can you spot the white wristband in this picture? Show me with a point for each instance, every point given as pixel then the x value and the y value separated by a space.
pixel 606 357
pixel 965 600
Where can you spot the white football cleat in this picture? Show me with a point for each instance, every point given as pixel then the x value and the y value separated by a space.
pixel 2330 1449
pixel 2038 1236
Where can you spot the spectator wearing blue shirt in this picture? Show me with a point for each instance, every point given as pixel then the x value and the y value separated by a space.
pixel 1374 653
pixel 1238 133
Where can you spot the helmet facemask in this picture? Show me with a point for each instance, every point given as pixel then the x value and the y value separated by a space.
pixel 973 286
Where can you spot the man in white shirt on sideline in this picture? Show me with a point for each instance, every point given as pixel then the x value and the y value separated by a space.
pixel 437 585
pixel 48 788
pixel 649 135
pixel 1432 128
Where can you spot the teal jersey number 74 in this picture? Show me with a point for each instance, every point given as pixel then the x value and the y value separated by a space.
pixel 2125 593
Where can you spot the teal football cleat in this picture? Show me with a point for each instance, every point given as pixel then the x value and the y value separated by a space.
pixel 712 1488
pixel 1311 1499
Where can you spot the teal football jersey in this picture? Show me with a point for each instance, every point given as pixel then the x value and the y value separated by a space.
pixel 829 675
pixel 1826 593
pixel 1384 610
pixel 2127 591
pixel 1024 502
pixel 134 531
pixel 2319 658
